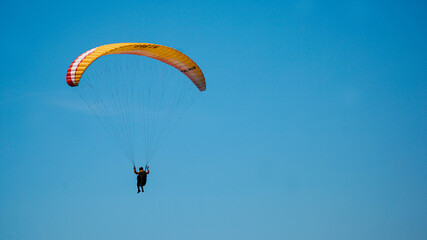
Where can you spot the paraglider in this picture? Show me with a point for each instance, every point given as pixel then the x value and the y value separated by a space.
pixel 141 179
pixel 136 98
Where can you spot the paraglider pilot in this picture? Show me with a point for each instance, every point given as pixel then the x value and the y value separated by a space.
pixel 141 179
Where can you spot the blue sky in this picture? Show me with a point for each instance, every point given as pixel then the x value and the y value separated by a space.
pixel 313 125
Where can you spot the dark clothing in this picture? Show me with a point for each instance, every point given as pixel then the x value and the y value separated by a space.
pixel 141 179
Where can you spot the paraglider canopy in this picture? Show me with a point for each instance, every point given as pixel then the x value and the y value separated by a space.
pixel 162 53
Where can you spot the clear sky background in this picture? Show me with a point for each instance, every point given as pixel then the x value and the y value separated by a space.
pixel 313 125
